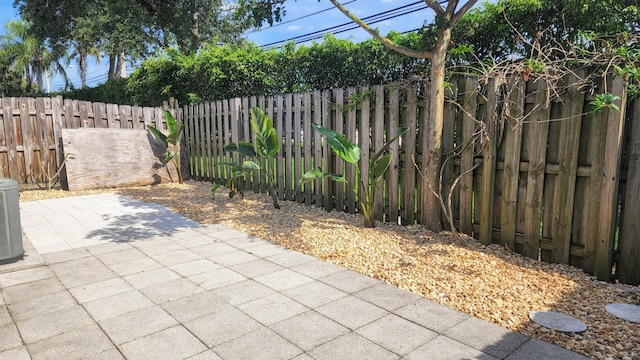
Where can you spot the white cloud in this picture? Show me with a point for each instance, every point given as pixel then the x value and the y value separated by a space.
pixel 293 27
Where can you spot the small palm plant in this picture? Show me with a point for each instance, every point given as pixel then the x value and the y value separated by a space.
pixel 266 148
pixel 351 153
pixel 175 130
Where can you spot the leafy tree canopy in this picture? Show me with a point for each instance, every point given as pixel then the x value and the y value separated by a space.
pixel 499 29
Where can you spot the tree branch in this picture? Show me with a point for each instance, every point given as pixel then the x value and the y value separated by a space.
pixel 384 40
pixel 435 6
pixel 463 10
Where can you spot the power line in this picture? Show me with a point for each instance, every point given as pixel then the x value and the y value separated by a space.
pixel 298 18
pixel 372 19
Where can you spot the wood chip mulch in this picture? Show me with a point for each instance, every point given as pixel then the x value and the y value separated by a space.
pixel 488 282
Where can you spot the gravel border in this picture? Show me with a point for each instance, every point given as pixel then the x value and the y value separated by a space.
pixel 488 282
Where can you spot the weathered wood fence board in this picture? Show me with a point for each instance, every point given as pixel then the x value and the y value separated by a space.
pixel 126 157
pixel 630 226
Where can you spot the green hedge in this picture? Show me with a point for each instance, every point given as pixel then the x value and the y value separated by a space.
pixel 226 71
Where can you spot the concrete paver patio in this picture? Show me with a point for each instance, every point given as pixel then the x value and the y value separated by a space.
pixel 109 277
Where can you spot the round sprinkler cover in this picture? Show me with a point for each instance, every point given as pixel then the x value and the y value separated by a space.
pixel 558 321
pixel 627 312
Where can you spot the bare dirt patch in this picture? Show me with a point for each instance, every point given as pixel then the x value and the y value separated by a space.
pixel 488 282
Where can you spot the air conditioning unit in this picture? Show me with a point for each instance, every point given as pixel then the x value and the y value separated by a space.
pixel 10 231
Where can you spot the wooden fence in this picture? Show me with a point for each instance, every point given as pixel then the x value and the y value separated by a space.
pixel 30 131
pixel 559 186
pixel 562 186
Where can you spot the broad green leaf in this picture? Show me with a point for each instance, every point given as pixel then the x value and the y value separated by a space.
pixel 267 144
pixel 347 150
pixel 312 175
pixel 272 145
pixel 315 174
pixel 338 178
pixel 175 137
pixel 379 167
pixel 171 122
pixel 236 170
pixel 266 138
pixel 401 131
pixel 167 157
pixel 162 138
pixel 248 166
pixel 242 147
pixel 260 122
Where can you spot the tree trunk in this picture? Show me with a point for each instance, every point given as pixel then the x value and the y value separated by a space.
pixel 431 216
pixel 121 67
pixel 39 79
pixel 112 66
pixel 29 78
pixel 82 63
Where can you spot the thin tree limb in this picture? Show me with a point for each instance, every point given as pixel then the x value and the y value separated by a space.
pixel 463 10
pixel 435 6
pixel 384 40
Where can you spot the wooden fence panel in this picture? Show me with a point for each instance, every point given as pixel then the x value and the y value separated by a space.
pixel 42 138
pixel 246 135
pixel 409 146
pixel 257 181
pixel 307 147
pixel 364 140
pixel 350 133
pixel 219 173
pixel 629 240
pixel 318 148
pixel 378 143
pixel 10 139
pixel 512 145
pixel 538 134
pixel 424 189
pixel 394 150
pixel 297 144
pixel 570 126
pixel 608 204
pixel 202 140
pixel 469 104
pixel 27 137
pixel 198 120
pixel 488 168
pixel 288 146
pixel 338 163
pixel 126 120
pixel 261 103
pixel 327 155
pixel 448 147
pixel 589 189
pixel 207 143
pixel 58 124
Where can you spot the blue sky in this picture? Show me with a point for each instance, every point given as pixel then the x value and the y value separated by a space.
pixel 294 9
